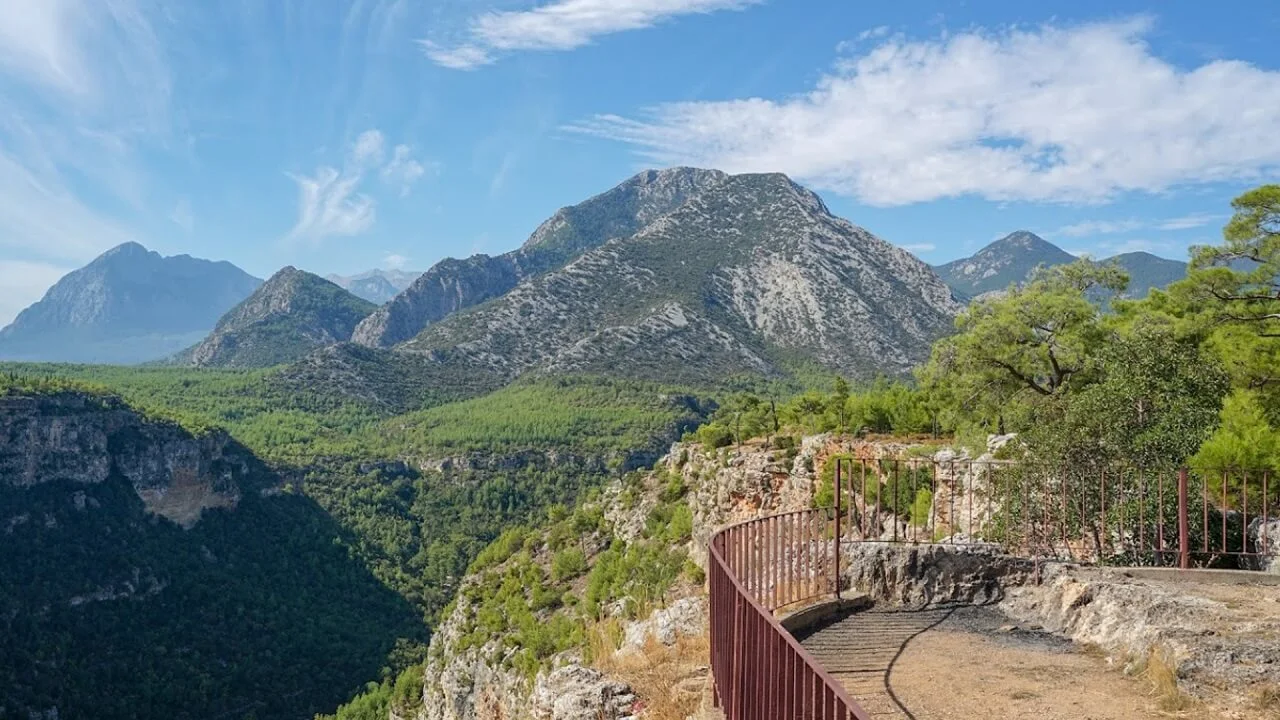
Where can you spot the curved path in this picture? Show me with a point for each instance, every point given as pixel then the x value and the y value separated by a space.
pixel 956 663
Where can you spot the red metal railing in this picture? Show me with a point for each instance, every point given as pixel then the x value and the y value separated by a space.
pixel 756 567
pixel 1100 514
pixel 1105 515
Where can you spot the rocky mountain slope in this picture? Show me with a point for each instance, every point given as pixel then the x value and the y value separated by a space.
pixel 453 285
pixel 170 569
pixel 747 276
pixel 291 314
pixel 376 286
pixel 1004 262
pixel 129 305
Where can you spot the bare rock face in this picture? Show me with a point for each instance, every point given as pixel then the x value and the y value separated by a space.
pixel 684 617
pixel 83 439
pixel 574 692
pixel 922 575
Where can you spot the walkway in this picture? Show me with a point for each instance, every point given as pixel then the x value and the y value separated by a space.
pixel 968 662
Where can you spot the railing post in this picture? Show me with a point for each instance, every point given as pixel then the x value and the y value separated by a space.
pixel 836 539
pixel 1184 530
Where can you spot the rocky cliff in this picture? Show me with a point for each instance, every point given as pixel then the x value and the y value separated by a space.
pixel 86 440
pixel 453 285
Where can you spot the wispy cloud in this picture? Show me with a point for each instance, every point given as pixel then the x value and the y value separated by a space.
pixel 1089 228
pixel 403 171
pixel 1062 114
pixel 1187 222
pixel 561 25
pixel 394 261
pixel 331 202
pixel 919 247
pixel 64 66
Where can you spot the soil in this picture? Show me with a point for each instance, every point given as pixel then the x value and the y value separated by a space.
pixel 971 662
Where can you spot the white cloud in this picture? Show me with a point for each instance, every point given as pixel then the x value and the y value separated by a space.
pixel 1075 114
pixel 1089 228
pixel 394 261
pixel 562 25
pixel 403 171
pixel 23 283
pixel 331 203
pixel 368 149
pixel 919 247
pixel 463 57
pixel 1187 222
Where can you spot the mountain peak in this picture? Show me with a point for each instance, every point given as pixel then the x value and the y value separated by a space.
pixel 291 314
pixel 1004 262
pixel 126 249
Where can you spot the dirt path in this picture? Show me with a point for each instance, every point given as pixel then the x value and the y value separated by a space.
pixel 968 662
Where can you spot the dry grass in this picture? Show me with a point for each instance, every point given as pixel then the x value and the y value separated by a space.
pixel 1161 671
pixel 1266 698
pixel 669 680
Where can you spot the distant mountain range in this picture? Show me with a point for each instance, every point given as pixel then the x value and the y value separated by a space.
pixel 376 286
pixel 129 305
pixel 1013 258
pixel 679 274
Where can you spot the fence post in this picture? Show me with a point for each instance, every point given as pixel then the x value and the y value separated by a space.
pixel 836 539
pixel 1184 530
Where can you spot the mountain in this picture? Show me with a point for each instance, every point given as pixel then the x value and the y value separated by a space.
pixel 1012 259
pixel 1147 271
pixel 453 285
pixel 753 274
pixel 376 286
pixel 291 314
pixel 129 305
pixel 1004 262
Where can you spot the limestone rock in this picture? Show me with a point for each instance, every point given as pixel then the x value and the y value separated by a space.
pixel 575 692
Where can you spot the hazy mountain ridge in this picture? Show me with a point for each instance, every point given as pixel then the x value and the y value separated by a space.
pixel 128 305
pixel 291 314
pixel 457 284
pixel 376 286
pixel 742 274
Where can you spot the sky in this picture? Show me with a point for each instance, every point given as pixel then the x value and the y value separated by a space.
pixel 342 136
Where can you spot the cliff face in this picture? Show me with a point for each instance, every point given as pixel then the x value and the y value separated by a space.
pixel 86 439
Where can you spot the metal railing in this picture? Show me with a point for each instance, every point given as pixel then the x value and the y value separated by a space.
pixel 761 672
pixel 1104 515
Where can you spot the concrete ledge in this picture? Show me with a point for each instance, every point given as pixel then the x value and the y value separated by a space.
pixel 824 611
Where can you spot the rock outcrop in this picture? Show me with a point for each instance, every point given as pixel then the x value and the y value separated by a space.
pixel 85 439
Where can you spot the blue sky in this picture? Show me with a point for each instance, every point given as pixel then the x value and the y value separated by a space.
pixel 339 136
